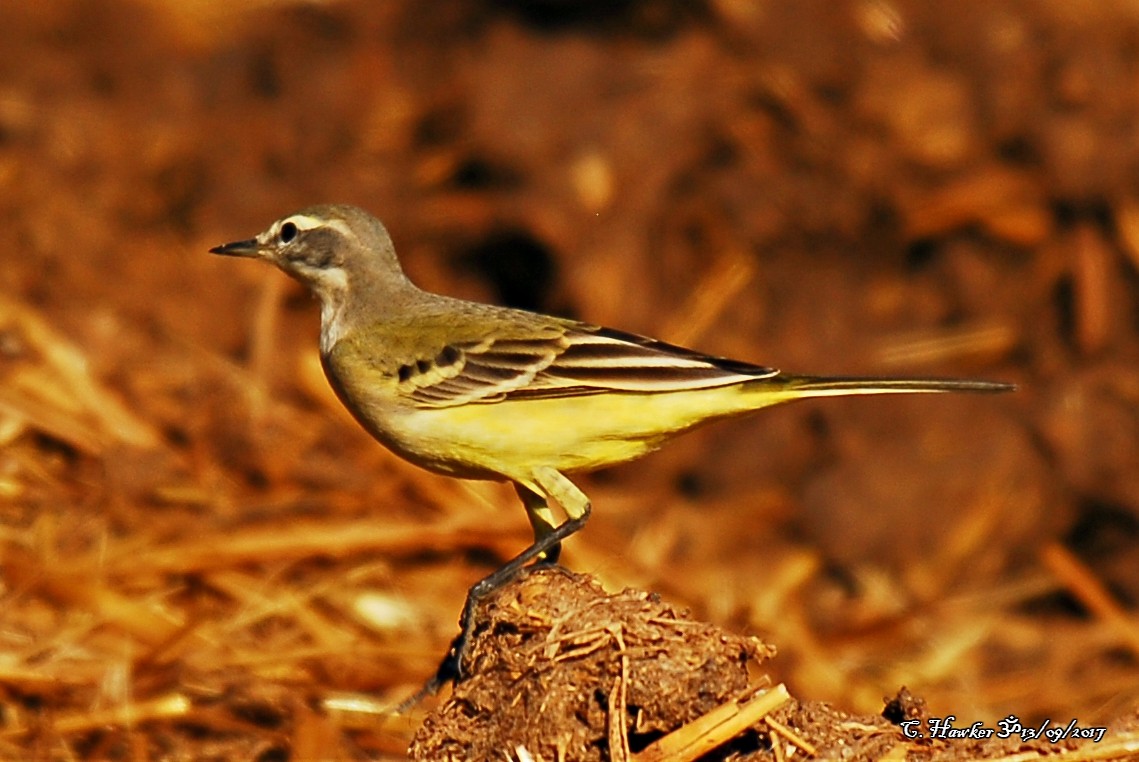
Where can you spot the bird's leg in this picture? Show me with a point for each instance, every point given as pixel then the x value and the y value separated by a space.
pixel 541 519
pixel 547 543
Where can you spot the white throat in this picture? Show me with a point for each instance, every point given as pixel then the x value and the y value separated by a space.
pixel 331 286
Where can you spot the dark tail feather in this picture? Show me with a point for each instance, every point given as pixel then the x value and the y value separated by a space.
pixel 821 386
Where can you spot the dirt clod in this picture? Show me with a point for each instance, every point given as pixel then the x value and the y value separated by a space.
pixel 550 652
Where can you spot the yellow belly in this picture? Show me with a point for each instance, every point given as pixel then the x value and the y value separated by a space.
pixel 511 439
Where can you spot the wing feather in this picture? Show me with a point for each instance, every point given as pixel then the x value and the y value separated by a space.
pixel 576 360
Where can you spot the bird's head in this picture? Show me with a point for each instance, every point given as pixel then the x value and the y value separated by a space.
pixel 343 254
pixel 325 247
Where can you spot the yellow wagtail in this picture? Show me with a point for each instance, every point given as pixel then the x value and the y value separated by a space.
pixel 484 392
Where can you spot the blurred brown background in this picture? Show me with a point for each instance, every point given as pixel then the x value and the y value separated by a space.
pixel 191 527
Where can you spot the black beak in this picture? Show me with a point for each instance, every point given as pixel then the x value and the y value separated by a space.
pixel 247 248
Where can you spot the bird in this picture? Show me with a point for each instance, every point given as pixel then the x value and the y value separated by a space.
pixel 480 391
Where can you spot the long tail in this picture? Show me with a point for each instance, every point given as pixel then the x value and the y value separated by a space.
pixel 795 387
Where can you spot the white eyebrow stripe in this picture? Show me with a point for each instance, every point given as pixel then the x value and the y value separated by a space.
pixel 307 222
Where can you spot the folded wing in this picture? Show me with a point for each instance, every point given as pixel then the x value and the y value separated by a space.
pixel 565 360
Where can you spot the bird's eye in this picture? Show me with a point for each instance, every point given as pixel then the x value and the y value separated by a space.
pixel 288 232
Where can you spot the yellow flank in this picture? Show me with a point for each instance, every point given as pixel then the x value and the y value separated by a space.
pixel 512 439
